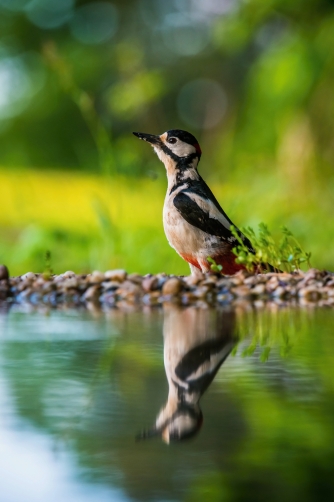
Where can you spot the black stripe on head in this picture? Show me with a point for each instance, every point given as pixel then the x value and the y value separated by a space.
pixel 182 162
pixel 169 152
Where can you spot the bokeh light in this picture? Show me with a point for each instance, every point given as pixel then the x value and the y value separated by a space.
pixel 94 23
pixel 14 5
pixel 21 78
pixel 183 36
pixel 202 103
pixel 49 14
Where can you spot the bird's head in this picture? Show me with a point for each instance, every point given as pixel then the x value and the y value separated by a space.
pixel 177 149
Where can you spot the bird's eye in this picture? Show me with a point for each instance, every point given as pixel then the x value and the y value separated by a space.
pixel 172 140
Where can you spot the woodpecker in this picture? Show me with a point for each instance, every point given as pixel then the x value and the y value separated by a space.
pixel 195 224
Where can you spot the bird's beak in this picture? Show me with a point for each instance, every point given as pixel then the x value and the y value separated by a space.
pixel 150 138
pixel 147 434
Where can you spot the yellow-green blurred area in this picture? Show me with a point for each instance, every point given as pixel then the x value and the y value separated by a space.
pixel 252 80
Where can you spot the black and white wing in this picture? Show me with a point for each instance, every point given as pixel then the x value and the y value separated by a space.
pixel 198 206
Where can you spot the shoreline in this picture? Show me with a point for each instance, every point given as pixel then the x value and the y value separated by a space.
pixel 117 288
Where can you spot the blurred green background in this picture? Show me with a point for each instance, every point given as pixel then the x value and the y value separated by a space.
pixel 252 80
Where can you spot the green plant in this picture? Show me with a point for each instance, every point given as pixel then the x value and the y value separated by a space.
pixel 286 255
pixel 214 266
pixel 48 272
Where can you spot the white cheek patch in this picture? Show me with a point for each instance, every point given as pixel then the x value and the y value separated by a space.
pixel 182 149
pixel 162 156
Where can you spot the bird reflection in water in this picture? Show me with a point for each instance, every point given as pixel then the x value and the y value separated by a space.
pixel 196 343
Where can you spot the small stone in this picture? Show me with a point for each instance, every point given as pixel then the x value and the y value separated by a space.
pixel 225 298
pixel 210 281
pixel 172 287
pixel 30 276
pixel 129 291
pixel 135 278
pixel 150 283
pixel 116 275
pixel 252 279
pixel 23 285
pixel 110 285
pixel 39 282
pixel 24 295
pixel 258 290
pixel 193 280
pixel 151 298
pixel 4 274
pixel 236 280
pixel 310 293
pixel 224 283
pixel 188 298
pixel 92 294
pixel 47 287
pixel 272 284
pixel 241 291
pixel 68 274
pixel 70 283
pixel 96 277
pixel 280 292
pixel 201 292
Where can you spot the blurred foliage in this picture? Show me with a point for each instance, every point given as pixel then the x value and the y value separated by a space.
pixel 252 80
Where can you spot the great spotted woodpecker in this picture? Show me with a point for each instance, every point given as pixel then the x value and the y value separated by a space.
pixel 194 223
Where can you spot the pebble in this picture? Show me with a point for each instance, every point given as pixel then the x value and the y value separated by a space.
pixel 172 287
pixel 116 275
pixel 258 289
pixel 96 277
pixel 116 288
pixel 92 293
pixel 28 276
pixel 150 283
pixel 68 274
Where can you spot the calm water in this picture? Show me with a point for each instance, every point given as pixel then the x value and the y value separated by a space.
pixel 106 406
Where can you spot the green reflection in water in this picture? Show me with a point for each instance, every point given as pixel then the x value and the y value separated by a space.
pixel 90 382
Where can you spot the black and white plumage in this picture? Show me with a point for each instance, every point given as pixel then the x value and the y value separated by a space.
pixel 195 224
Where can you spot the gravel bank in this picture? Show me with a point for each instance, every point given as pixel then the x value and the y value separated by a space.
pixel 116 288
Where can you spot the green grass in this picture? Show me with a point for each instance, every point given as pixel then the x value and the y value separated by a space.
pixel 285 255
pixel 91 222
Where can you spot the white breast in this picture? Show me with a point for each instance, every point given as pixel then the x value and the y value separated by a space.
pixel 183 237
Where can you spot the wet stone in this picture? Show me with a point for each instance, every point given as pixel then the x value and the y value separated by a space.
pixel 68 274
pixel 96 277
pixel 110 285
pixel 92 293
pixel 116 275
pixel 116 288
pixel 258 290
pixel 193 280
pixel 28 276
pixel 172 286
pixel 241 291
pixel 135 278
pixel 150 283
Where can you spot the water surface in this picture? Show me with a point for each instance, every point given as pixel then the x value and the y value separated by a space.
pixel 167 405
